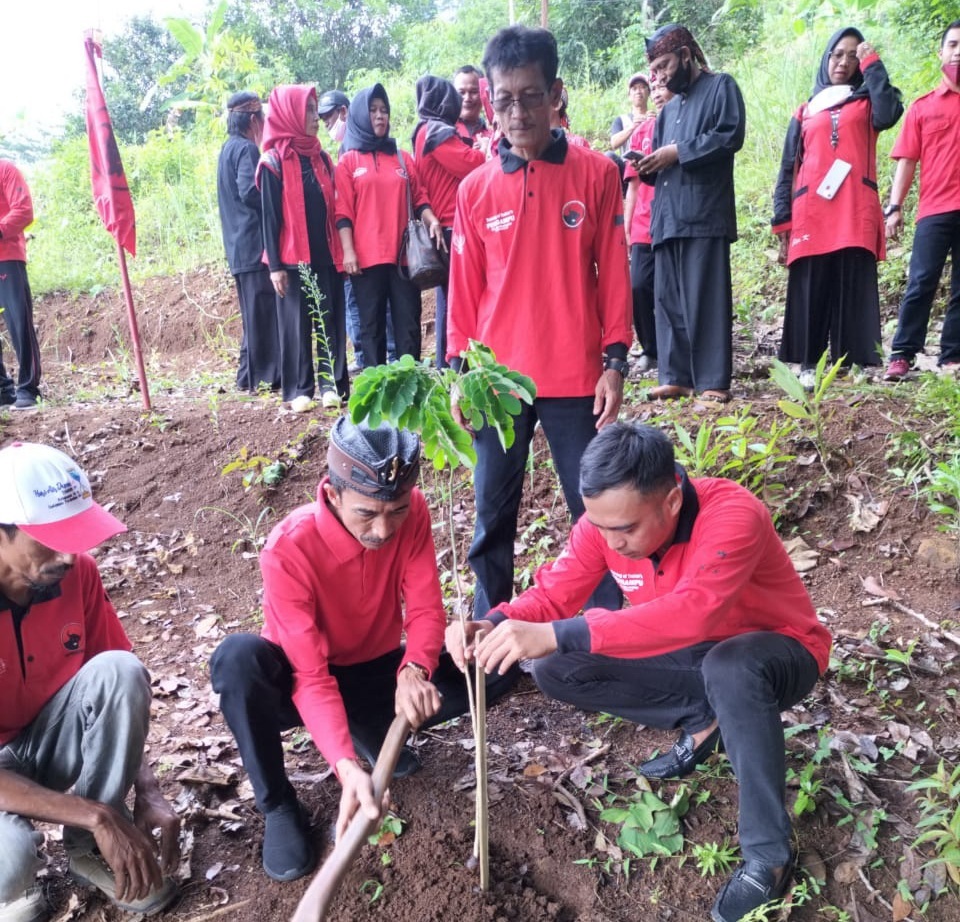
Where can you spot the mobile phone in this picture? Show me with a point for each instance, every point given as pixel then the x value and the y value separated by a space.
pixel 635 155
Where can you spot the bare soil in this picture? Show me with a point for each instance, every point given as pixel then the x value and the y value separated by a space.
pixel 186 574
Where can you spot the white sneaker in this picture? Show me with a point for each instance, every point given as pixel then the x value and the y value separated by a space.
pixel 331 400
pixel 92 870
pixel 31 907
pixel 644 364
pixel 808 379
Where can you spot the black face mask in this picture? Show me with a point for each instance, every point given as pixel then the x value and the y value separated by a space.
pixel 680 81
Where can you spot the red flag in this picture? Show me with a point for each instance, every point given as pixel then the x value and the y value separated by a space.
pixel 111 194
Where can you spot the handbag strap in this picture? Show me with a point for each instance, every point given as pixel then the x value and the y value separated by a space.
pixel 406 176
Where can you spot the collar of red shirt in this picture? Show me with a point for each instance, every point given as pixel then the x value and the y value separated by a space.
pixel 555 153
pixel 341 543
pixel 945 88
pixel 689 509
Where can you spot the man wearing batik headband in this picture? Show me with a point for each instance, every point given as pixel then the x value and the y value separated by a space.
pixel 343 578
pixel 693 221
pixel 76 701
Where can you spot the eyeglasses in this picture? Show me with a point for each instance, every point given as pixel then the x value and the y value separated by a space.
pixel 850 56
pixel 526 101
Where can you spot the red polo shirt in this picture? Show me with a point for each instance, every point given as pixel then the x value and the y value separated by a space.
pixel 641 140
pixel 328 599
pixel 55 638
pixel 16 212
pixel 538 269
pixel 931 136
pixel 372 197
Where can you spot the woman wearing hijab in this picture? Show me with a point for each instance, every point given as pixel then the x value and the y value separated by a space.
pixel 827 211
pixel 444 158
pixel 296 181
pixel 371 216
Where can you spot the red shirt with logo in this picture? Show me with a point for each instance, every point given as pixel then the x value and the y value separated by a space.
pixel 538 267
pixel 726 573
pixel 54 639
pixel 641 140
pixel 372 197
pixel 328 599
pixel 931 136
pixel 16 212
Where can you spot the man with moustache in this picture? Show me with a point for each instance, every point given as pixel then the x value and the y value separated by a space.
pixel 717 638
pixel 76 701
pixel 343 578
pixel 693 221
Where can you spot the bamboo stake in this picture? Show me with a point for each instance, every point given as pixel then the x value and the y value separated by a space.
pixel 482 838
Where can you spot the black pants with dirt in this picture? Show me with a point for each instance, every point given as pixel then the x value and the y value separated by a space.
pixel 376 287
pixel 16 304
pixel 744 682
pixel 255 682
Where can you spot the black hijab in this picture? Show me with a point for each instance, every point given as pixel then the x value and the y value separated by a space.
pixel 438 108
pixel 823 74
pixel 359 134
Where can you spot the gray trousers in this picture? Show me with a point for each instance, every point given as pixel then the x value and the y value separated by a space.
pixel 88 737
pixel 693 306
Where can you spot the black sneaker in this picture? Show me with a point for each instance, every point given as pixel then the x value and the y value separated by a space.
pixel 25 402
pixel 7 399
pixel 367 743
pixel 752 885
pixel 288 852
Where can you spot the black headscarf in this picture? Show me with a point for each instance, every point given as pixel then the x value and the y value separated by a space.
pixel 359 134
pixel 823 74
pixel 438 108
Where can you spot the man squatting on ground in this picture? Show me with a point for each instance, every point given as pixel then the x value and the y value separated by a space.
pixel 76 701
pixel 718 638
pixel 538 272
pixel 342 578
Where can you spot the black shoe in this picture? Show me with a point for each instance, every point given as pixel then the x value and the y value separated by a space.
pixel 287 850
pixel 7 399
pixel 407 764
pixel 751 885
pixel 25 402
pixel 682 758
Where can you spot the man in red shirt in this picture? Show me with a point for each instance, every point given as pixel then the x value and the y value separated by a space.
pixel 539 274
pixel 76 702
pixel 16 214
pixel 471 124
pixel 343 578
pixel 718 638
pixel 930 137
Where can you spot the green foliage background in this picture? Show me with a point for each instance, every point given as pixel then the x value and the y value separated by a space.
pixel 166 84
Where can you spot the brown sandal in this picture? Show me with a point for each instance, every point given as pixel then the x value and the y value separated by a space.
pixel 715 396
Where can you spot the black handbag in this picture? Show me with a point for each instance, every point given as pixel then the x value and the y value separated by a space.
pixel 419 259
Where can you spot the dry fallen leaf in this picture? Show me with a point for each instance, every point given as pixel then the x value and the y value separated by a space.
pixel 875 587
pixel 802 556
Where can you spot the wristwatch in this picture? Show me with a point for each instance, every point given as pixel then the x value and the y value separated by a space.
pixel 619 365
pixel 418 668
pixel 891 209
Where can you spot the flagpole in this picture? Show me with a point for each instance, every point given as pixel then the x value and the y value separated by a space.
pixel 134 329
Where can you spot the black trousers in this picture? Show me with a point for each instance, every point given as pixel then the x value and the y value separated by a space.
pixel 255 682
pixel 743 682
pixel 375 288
pixel 260 346
pixel 17 304
pixel 642 262
pixel 833 296
pixel 300 322
pixel 694 311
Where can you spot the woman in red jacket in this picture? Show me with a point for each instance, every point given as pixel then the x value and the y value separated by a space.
pixel 827 210
pixel 372 183
pixel 295 178
pixel 444 158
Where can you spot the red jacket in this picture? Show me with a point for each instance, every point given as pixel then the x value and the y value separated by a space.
pixel 372 198
pixel 725 574
pixel 538 269
pixel 58 637
pixel 442 170
pixel 328 599
pixel 16 212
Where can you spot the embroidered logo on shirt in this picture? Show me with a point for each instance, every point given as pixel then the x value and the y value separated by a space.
pixel 501 222
pixel 71 635
pixel 3 666
pixel 459 241
pixel 359 171
pixel 628 582
pixel 573 213
pixel 401 172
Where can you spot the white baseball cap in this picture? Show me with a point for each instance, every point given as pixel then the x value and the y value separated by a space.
pixel 46 495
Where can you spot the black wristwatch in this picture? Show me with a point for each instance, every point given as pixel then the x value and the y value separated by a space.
pixel 891 209
pixel 619 365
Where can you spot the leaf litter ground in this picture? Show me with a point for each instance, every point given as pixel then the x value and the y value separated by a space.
pixel 186 574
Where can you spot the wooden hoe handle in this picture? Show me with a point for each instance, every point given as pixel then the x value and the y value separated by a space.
pixel 323 888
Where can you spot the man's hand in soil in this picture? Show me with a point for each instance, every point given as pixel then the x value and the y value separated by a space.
pixel 512 641
pixel 130 854
pixel 453 640
pixel 151 811
pixel 417 697
pixel 357 794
